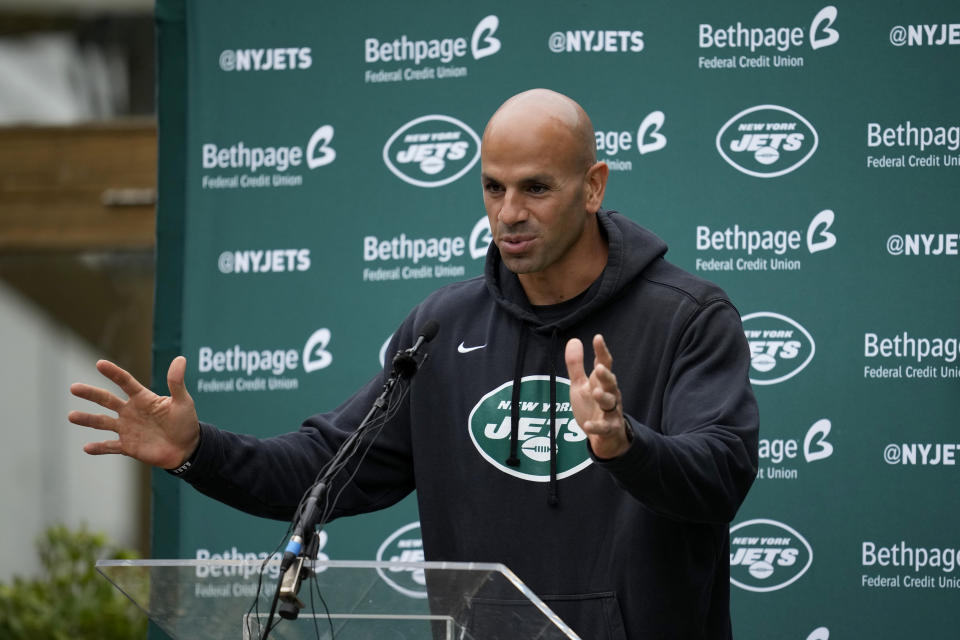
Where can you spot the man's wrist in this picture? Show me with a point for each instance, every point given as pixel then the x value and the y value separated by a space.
pixel 629 435
pixel 188 463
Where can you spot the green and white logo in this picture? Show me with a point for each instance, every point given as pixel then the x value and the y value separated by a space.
pixel 780 347
pixel 405 548
pixel 766 555
pixel 431 151
pixel 490 425
pixel 767 141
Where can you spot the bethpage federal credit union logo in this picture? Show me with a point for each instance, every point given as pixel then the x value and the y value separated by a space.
pixel 780 41
pixel 482 43
pixel 264 261
pixel 431 151
pixel 647 139
pixel 779 456
pixel 925 35
pixel 918 147
pixel 274 59
pixel 244 568
pixel 424 258
pixel 780 347
pixel 914 567
pixel 767 141
pixel 912 357
pixel 783 244
pixel 258 167
pixel 596 41
pixel 766 555
pixel 404 545
pixel 241 369
pixel 489 425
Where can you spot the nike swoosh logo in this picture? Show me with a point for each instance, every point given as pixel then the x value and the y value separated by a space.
pixel 463 349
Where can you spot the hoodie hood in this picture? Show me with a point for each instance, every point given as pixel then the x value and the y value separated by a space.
pixel 622 267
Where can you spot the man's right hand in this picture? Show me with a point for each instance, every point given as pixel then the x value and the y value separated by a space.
pixel 159 430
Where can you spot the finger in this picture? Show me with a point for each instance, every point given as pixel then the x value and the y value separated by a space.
pixel 606 400
pixel 175 377
pixel 574 357
pixel 605 378
pixel 601 352
pixel 102 448
pixel 93 420
pixel 95 394
pixel 130 385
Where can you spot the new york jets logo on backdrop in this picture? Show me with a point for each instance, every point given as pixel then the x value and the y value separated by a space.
pixel 431 151
pixel 490 425
pixel 780 347
pixel 767 141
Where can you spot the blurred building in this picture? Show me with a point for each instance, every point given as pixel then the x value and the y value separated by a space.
pixel 77 192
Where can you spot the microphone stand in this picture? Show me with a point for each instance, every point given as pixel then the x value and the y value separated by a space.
pixel 293 567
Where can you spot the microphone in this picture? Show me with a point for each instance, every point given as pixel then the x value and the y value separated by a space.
pixel 405 366
pixel 302 526
pixel 404 362
pixel 427 333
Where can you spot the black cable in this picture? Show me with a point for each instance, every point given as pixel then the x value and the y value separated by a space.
pixel 273 610
pixel 255 605
pixel 372 429
pixel 388 404
pixel 313 607
pixel 373 432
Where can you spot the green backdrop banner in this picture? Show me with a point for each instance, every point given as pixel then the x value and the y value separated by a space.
pixel 319 175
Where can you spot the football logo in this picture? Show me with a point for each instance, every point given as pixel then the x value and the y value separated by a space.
pixel 779 347
pixel 404 545
pixel 767 141
pixel 432 151
pixel 490 426
pixel 766 555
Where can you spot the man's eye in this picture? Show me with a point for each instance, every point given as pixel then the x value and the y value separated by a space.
pixel 493 187
pixel 537 188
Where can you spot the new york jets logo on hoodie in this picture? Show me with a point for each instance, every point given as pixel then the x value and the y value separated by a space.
pixel 491 424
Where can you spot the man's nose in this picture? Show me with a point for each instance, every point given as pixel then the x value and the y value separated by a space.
pixel 513 209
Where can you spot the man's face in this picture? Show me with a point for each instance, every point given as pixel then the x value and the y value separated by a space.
pixel 535 195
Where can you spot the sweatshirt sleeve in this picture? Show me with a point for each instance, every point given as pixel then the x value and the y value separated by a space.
pixel 699 466
pixel 267 477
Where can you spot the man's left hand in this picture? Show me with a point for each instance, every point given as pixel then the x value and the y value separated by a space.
pixel 595 399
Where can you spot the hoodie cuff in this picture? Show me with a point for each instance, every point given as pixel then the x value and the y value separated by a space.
pixel 636 454
pixel 200 458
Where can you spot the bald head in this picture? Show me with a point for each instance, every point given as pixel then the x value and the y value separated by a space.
pixel 542 112
pixel 542 188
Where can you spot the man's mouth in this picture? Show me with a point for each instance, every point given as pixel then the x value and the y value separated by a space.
pixel 515 243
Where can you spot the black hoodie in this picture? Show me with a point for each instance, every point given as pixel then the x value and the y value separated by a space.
pixel 631 548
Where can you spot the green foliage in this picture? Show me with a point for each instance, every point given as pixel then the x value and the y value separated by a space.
pixel 70 601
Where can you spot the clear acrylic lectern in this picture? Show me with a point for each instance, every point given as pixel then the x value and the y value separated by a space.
pixel 230 600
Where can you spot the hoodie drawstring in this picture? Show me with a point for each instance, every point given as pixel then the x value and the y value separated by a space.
pixel 552 497
pixel 514 461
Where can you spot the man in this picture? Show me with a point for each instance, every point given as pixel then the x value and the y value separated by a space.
pixel 616 514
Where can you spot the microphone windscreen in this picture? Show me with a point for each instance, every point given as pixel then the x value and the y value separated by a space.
pixel 429 330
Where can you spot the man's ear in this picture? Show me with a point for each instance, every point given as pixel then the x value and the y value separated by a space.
pixel 596 183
